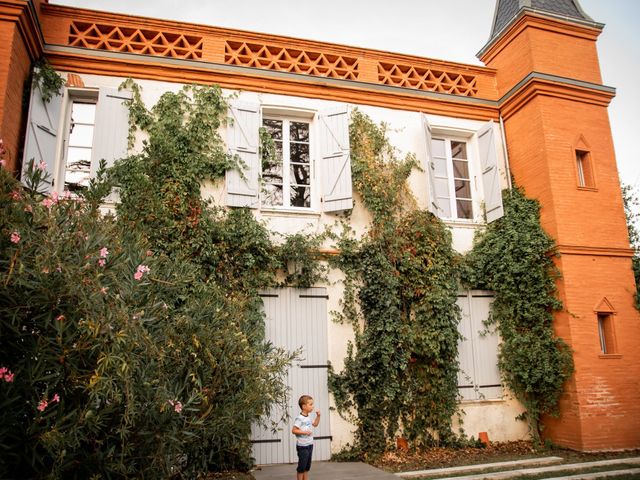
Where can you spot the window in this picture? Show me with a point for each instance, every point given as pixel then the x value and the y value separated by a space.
pixel 286 170
pixel 79 145
pixel 72 132
pixel 605 332
pixel 452 179
pixel 585 170
pixel 479 377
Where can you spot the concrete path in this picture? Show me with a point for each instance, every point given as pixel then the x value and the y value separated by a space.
pixel 324 471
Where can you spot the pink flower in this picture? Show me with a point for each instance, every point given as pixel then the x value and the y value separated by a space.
pixel 3 370
pixel 8 377
pixel 54 197
pixel 104 252
pixel 177 406
pixel 15 195
pixel 103 290
pixel 140 271
pixel 102 262
pixel 56 398
pixel 42 166
pixel 2 163
pixel 15 237
pixel 67 194
pixel 60 318
pixel 42 405
pixel 149 253
pixel 47 202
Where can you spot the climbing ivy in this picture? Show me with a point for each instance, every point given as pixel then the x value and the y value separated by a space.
pixel 514 258
pixel 49 81
pixel 631 204
pixel 400 298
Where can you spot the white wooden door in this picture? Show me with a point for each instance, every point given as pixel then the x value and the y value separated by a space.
pixel 296 319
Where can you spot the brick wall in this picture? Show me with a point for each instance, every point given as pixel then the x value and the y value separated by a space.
pixel 14 72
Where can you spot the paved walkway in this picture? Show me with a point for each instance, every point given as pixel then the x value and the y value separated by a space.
pixel 324 471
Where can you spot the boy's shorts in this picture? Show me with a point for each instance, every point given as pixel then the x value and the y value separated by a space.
pixel 304 458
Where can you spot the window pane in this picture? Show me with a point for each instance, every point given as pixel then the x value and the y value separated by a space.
pixel 300 196
pixel 440 167
pixel 458 149
pixel 463 189
pixel 442 187
pixel 272 195
pixel 78 169
pixel 81 135
pixel 300 174
pixel 300 152
pixel 272 172
pixel 444 207
pixel 464 209
pixel 83 113
pixel 273 127
pixel 437 148
pixel 299 132
pixel 460 169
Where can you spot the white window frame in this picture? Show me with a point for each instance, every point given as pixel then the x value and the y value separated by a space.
pixel 287 116
pixel 471 160
pixel 80 95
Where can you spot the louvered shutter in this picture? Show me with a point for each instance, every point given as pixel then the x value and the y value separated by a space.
pixel 439 201
pixel 42 133
pixel 490 173
pixel 335 160
pixel 243 140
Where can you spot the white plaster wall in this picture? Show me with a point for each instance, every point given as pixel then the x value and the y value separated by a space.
pixel 497 417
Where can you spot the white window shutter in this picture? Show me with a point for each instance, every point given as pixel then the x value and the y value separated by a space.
pixel 490 173
pixel 466 374
pixel 431 169
pixel 485 348
pixel 111 132
pixel 335 160
pixel 244 141
pixel 42 133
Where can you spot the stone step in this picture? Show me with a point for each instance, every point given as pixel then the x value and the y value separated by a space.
pixel 607 474
pixel 506 474
pixel 437 472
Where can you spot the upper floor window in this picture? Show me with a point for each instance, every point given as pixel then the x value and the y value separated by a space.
pixel 286 169
pixel 452 180
pixel 73 132
pixel 79 145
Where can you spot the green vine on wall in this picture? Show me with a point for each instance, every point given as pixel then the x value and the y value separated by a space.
pixel 400 298
pixel 514 258
pixel 47 79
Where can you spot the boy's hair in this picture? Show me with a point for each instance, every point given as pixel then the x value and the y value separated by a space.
pixel 304 399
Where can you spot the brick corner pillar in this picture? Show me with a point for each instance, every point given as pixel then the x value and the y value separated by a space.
pixel 20 44
pixel 560 148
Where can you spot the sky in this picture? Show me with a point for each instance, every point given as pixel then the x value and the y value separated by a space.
pixel 453 30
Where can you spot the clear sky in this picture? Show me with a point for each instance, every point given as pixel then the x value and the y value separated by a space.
pixel 453 30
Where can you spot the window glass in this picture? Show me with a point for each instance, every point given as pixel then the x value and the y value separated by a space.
pixel 287 178
pixel 451 174
pixel 79 146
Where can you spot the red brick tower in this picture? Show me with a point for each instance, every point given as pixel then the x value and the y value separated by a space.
pixel 554 108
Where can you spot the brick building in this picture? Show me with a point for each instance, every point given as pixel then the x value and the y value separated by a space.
pixel 537 111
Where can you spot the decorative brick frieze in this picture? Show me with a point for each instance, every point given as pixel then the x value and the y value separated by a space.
pixel 292 60
pixel 134 40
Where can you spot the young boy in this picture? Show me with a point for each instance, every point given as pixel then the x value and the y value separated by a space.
pixel 303 430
